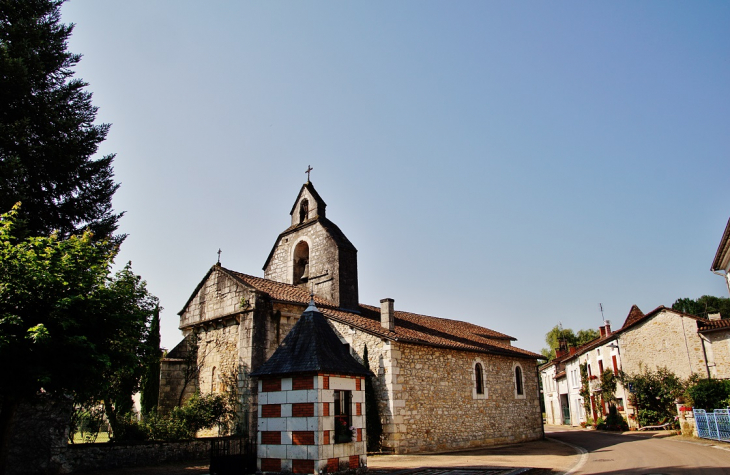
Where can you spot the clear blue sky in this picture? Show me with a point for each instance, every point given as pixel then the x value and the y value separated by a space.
pixel 510 164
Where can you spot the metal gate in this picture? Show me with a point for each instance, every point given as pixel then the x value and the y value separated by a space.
pixel 713 425
pixel 232 456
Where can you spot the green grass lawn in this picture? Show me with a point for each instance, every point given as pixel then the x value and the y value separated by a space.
pixel 103 437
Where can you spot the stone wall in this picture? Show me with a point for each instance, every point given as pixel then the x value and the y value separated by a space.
pixel 219 296
pixel 665 340
pixel 324 268
pixel 719 353
pixel 438 411
pixel 383 366
pixel 174 389
pixel 38 429
pixel 104 456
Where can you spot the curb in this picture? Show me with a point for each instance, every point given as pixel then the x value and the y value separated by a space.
pixel 579 450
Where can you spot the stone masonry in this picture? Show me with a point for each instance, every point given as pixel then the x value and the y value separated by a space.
pixel 669 340
pixel 424 367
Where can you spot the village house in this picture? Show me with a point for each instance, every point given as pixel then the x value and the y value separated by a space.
pixel 440 383
pixel 663 338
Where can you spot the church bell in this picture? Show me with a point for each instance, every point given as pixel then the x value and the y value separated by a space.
pixel 305 274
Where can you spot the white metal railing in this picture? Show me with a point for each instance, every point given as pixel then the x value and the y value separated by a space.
pixel 713 425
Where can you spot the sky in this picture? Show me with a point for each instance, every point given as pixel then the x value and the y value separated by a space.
pixel 510 164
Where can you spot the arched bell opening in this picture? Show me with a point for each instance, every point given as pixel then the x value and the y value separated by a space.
pixel 303 210
pixel 301 263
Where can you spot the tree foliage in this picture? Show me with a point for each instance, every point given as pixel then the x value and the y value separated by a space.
pixel 710 394
pixel 556 334
pixel 151 380
pixel 703 306
pixel 654 393
pixel 53 333
pixel 372 411
pixel 47 131
pixel 66 325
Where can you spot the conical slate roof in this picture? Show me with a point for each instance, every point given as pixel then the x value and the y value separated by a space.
pixel 311 347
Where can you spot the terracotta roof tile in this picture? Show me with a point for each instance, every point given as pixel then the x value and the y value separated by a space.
pixel 712 325
pixel 409 327
pixel 634 316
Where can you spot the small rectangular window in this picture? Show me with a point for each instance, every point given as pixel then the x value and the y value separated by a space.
pixel 343 416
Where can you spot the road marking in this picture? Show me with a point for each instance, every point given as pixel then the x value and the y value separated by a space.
pixel 583 455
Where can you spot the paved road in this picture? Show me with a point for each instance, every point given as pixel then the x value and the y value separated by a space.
pixel 610 454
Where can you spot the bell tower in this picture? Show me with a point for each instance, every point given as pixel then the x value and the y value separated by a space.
pixel 313 253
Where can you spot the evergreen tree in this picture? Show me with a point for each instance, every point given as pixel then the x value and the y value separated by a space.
pixel 151 380
pixel 47 134
pixel 373 425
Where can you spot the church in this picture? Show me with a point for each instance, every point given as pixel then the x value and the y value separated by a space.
pixel 441 384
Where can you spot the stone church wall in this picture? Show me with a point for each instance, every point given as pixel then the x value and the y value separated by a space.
pixel 323 261
pixel 439 410
pixel 665 340
pixel 380 358
pixel 219 296
pixel 426 398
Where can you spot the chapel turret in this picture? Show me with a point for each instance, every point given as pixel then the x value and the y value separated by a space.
pixel 313 253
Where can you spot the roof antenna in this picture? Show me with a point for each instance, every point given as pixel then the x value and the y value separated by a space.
pixel 600 306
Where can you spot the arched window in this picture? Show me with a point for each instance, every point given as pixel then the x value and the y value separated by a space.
pixel 479 386
pixel 519 390
pixel 479 378
pixel 301 263
pixel 303 210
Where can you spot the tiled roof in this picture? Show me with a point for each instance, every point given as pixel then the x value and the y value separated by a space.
pixel 634 316
pixel 713 325
pixel 409 327
pixel 311 346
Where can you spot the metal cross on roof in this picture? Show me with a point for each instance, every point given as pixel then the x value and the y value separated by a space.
pixel 219 255
pixel 309 169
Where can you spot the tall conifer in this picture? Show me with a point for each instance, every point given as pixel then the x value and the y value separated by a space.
pixel 151 380
pixel 47 131
pixel 373 425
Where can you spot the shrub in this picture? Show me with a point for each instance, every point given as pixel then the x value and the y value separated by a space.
pixel 710 394
pixel 613 421
pixel 654 393
pixel 198 413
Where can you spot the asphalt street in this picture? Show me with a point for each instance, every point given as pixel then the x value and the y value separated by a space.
pixel 608 453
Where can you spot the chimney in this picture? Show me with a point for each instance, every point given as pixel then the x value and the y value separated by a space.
pixel 387 314
pixel 714 316
pixel 603 331
pixel 572 350
pixel 608 326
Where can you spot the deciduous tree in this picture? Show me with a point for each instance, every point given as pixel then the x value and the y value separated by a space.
pixel 704 306
pixel 557 333
pixel 66 326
